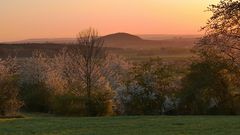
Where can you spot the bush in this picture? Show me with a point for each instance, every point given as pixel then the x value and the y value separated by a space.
pixel 102 103
pixel 37 97
pixel 9 90
pixel 76 105
pixel 9 97
pixel 69 105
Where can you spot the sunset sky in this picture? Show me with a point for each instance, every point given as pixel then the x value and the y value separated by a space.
pixel 23 19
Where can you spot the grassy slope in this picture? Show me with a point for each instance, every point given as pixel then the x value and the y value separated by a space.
pixel 131 125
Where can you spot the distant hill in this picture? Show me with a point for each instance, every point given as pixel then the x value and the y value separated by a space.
pixel 122 40
pixel 119 43
pixel 126 40
pixel 116 37
pixel 121 37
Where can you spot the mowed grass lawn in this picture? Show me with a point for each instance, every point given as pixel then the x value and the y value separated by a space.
pixel 122 125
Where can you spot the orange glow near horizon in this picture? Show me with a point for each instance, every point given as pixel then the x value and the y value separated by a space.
pixel 23 19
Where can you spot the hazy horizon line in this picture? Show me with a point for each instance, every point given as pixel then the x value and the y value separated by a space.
pixel 142 34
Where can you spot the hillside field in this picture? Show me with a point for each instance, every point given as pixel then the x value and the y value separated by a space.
pixel 122 125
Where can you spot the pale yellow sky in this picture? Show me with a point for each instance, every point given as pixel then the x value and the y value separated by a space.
pixel 22 19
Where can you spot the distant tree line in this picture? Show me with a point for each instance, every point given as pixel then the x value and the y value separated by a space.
pixel 23 50
pixel 86 80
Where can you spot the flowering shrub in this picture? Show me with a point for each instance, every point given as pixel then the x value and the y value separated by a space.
pixel 146 88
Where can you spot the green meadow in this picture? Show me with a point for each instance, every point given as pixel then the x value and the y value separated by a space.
pixel 121 125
